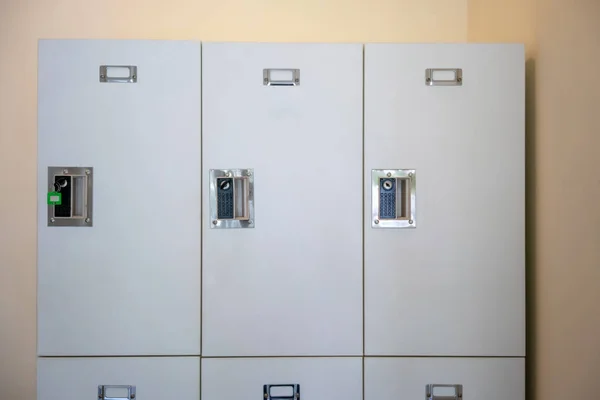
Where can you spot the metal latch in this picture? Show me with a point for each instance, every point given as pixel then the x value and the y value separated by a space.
pixel 443 77
pixel 443 392
pixel 290 391
pixel 118 74
pixel 116 392
pixel 281 77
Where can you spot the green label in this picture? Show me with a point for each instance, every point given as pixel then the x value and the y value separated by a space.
pixel 55 198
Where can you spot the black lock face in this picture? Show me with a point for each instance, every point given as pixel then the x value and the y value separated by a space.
pixel 63 185
pixel 387 198
pixel 225 203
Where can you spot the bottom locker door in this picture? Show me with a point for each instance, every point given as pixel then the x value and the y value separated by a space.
pixel 444 378
pixel 147 378
pixel 319 378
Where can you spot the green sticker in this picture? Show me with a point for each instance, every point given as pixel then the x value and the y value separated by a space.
pixel 55 198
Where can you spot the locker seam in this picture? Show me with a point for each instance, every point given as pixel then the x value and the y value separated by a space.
pixel 362 202
pixel 37 218
pixel 126 356
pixel 286 356
pixel 201 194
pixel 201 216
pixel 277 356
pixel 440 356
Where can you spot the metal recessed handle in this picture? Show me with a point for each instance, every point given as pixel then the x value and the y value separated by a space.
pixel 290 391
pixel 116 392
pixel 281 77
pixel 394 198
pixel 70 196
pixel 443 392
pixel 443 77
pixel 231 201
pixel 118 73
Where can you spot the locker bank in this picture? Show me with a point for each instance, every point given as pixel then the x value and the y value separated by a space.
pixel 227 221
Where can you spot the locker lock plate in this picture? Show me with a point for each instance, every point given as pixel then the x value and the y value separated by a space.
pixel 231 198
pixel 70 196
pixel 393 198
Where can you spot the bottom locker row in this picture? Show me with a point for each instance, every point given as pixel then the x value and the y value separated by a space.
pixel 182 378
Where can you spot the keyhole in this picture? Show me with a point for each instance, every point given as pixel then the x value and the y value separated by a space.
pixel 61 183
pixel 387 185
pixel 224 185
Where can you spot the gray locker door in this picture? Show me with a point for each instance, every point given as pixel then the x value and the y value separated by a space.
pixel 320 378
pixel 475 378
pixel 453 282
pixel 128 283
pixel 152 378
pixel 287 279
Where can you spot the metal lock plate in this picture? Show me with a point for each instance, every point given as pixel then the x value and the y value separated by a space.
pixel 393 198
pixel 231 198
pixel 70 196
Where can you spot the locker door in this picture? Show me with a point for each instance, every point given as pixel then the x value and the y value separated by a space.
pixel 444 252
pixel 124 280
pixel 314 378
pixel 473 378
pixel 147 378
pixel 282 261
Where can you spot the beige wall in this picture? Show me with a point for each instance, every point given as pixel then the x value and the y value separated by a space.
pixel 563 39
pixel 567 221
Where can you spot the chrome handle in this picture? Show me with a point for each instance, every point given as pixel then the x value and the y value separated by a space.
pixel 443 77
pixel 444 392
pixel 281 77
pixel 116 392
pixel 289 391
pixel 118 73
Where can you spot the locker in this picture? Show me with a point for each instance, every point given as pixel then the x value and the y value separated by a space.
pixel 444 253
pixel 148 378
pixel 282 254
pixel 119 258
pixel 320 378
pixel 472 378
